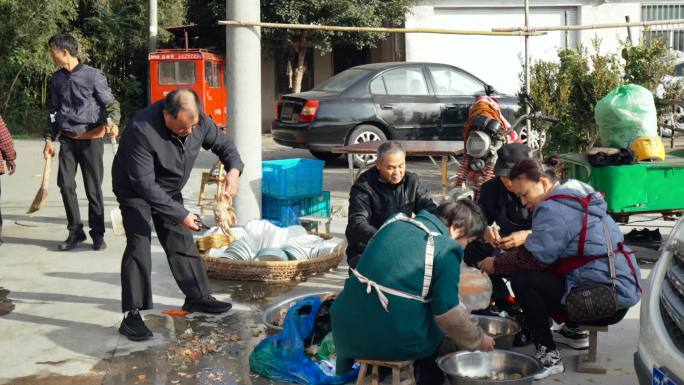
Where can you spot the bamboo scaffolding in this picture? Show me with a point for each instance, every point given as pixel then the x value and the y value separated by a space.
pixel 532 30
pixel 237 23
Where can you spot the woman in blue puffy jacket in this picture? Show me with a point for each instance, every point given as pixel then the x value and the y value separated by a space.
pixel 567 248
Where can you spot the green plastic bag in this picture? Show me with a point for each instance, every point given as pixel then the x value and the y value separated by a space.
pixel 327 348
pixel 626 113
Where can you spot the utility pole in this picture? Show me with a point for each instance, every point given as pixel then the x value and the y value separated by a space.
pixel 243 74
pixel 151 43
pixel 152 37
pixel 527 63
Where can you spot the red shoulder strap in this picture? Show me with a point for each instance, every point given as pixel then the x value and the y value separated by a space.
pixel 585 221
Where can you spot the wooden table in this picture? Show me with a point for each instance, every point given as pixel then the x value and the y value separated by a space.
pixel 412 147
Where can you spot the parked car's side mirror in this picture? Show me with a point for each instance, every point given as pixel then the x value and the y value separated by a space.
pixel 489 89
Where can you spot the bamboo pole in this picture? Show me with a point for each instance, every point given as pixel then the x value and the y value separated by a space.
pixel 527 65
pixel 238 23
pixel 589 26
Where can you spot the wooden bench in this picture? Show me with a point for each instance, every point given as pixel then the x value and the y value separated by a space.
pixel 396 366
pixel 591 362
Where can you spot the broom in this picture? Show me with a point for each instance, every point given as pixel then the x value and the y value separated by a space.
pixel 41 195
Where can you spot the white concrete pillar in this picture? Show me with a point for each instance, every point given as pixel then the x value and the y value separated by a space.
pixel 243 77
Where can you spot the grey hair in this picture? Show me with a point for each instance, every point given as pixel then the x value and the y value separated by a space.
pixel 391 147
pixel 464 213
pixel 173 104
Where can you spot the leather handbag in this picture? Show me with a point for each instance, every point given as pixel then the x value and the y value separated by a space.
pixel 593 301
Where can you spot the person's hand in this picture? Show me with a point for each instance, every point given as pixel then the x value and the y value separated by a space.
pixel 11 166
pixel 49 149
pixel 230 182
pixel 488 343
pixel 487 265
pixel 492 235
pixel 516 239
pixel 112 130
pixel 190 222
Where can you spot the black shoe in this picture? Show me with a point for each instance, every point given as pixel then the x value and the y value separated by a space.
pixel 74 238
pixel 99 243
pixel 207 304
pixel 572 337
pixel 644 238
pixel 134 328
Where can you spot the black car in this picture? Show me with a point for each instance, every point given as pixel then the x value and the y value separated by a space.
pixel 402 101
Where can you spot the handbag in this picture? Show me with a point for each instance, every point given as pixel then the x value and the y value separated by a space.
pixel 593 301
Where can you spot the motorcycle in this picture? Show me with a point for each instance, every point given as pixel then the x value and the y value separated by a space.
pixel 485 138
pixel 487 135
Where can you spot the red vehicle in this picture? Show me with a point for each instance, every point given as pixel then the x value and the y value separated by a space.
pixel 198 69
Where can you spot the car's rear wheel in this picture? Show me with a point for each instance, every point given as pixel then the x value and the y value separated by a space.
pixel 324 155
pixel 365 133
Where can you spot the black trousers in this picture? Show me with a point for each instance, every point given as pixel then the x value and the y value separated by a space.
pixel 539 295
pixel 427 372
pixel 136 265
pixel 88 155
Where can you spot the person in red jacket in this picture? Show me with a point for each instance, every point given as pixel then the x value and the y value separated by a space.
pixel 8 155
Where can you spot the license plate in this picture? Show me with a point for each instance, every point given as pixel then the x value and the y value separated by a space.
pixel 660 378
pixel 286 113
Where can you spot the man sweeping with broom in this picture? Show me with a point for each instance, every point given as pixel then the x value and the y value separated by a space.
pixel 81 104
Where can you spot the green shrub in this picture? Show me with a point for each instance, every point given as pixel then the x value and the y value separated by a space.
pixel 570 88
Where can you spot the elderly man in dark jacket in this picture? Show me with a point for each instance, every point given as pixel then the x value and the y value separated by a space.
pixel 380 192
pixel 154 161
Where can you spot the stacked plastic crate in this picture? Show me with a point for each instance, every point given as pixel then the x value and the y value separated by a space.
pixel 293 188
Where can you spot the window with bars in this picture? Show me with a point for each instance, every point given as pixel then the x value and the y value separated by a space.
pixel 672 34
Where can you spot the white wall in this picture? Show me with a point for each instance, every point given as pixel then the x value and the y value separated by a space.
pixel 495 59
pixel 609 13
pixel 498 60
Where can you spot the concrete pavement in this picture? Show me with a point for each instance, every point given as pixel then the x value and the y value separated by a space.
pixel 65 307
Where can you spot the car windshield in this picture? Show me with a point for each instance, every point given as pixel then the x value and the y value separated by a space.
pixel 341 81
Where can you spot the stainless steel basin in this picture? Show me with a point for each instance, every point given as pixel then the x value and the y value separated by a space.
pixel 502 329
pixel 478 368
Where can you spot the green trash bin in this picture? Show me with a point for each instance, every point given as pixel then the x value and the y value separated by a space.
pixel 637 188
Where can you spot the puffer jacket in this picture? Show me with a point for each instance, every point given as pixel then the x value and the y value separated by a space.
pixel 556 227
pixel 372 201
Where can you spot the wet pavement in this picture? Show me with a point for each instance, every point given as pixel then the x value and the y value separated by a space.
pixel 59 312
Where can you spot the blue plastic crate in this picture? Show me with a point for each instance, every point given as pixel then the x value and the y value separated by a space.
pixel 292 178
pixel 286 212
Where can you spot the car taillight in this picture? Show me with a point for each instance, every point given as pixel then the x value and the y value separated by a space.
pixel 309 110
pixel 277 107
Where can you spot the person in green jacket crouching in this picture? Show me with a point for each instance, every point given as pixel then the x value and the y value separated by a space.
pixel 402 298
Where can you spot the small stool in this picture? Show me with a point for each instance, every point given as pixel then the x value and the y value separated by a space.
pixel 310 222
pixel 396 367
pixel 590 362
pixel 207 178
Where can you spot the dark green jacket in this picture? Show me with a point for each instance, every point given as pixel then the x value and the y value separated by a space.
pixel 395 258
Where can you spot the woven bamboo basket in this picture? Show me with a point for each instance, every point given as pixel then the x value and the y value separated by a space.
pixel 272 271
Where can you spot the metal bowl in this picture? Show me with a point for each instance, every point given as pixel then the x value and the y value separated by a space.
pixel 502 329
pixel 476 368
pixel 271 315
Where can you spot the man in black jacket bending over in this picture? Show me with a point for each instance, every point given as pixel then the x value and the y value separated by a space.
pixel 379 193
pixel 154 161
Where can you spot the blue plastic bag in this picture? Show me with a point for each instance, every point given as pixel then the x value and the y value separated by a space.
pixel 282 357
